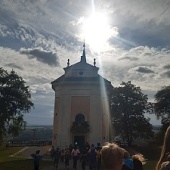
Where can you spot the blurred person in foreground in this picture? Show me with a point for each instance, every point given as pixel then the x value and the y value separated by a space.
pixel 166 165
pixel 163 163
pixel 112 156
pixel 138 161
pixel 37 157
pixel 127 162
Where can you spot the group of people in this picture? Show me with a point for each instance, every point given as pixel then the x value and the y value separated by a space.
pixel 116 158
pixel 92 157
pixel 109 157
pixel 89 156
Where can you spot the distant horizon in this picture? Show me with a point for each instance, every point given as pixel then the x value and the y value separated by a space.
pixel 52 125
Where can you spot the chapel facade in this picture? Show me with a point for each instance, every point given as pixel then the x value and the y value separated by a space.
pixel 81 106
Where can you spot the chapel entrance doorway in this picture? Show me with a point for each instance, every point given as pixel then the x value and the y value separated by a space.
pixel 79 141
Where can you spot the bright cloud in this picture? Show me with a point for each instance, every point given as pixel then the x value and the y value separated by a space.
pixel 38 37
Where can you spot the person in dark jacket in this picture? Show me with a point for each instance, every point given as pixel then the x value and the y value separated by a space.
pixel 127 161
pixel 83 159
pixel 57 155
pixel 67 157
pixel 37 159
pixel 92 153
pixel 137 161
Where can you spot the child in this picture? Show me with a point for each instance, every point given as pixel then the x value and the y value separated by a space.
pixel 138 161
pixel 127 161
pixel 37 159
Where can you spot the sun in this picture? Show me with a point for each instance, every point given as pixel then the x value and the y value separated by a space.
pixel 97 31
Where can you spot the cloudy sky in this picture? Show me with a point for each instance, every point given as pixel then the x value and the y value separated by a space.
pixel 132 44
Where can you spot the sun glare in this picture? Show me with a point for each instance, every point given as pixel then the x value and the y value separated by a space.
pixel 97 31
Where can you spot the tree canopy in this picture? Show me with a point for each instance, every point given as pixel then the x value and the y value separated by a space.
pixel 128 106
pixel 162 110
pixel 15 100
pixel 162 104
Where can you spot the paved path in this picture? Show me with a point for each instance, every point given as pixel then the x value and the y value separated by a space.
pixel 27 151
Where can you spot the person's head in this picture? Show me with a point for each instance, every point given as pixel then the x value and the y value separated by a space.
pixel 126 154
pixel 139 157
pixel 92 146
pixel 165 148
pixel 37 152
pixel 98 144
pixel 112 156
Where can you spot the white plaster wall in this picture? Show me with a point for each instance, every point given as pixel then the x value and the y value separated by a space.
pixel 97 108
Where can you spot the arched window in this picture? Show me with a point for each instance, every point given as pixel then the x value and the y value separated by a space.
pixel 80 118
pixel 80 125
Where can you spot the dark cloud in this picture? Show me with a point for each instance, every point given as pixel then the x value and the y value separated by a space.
pixel 167 66
pixel 167 74
pixel 43 56
pixel 13 65
pixel 129 58
pixel 144 70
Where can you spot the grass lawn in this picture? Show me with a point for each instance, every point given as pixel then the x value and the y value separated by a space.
pixel 16 163
pixel 21 164
pixel 6 152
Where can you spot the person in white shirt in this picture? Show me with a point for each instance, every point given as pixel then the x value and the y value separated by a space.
pixel 75 152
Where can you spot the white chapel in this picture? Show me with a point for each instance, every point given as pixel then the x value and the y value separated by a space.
pixel 81 106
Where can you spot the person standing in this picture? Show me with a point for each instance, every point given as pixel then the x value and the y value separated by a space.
pixel 137 161
pixel 127 161
pixel 67 157
pixel 165 149
pixel 75 152
pixel 83 159
pixel 37 159
pixel 62 156
pixel 92 153
pixel 56 157
pixel 52 152
pixel 98 156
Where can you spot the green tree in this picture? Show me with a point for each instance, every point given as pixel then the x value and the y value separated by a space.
pixel 128 106
pixel 162 109
pixel 14 102
pixel 162 104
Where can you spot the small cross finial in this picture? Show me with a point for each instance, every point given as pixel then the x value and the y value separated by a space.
pixel 83 57
pixel 94 62
pixel 68 63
